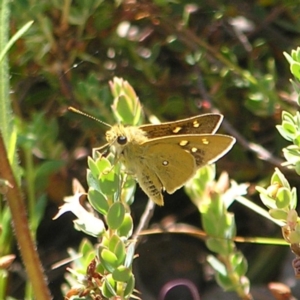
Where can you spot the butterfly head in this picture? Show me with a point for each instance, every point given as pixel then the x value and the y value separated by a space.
pixel 117 135
pixel 120 136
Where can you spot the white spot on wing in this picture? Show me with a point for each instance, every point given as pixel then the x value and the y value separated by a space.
pixel 205 141
pixel 177 129
pixel 196 124
pixel 183 143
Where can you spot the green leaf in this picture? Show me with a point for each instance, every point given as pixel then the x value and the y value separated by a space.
pixel 14 38
pixel 265 198
pixel 93 167
pixel 116 245
pixel 297 167
pixel 39 212
pixel 278 177
pixel 295 69
pixel 109 183
pixel 221 246
pixel 108 268
pixel 130 286
pixel 294 200
pixel 225 282
pixel 120 251
pixel 115 215
pixel 126 106
pixel 122 274
pixel 126 227
pixel 92 181
pixel 286 116
pixel 128 190
pixel 124 109
pixel 98 201
pixel 113 241
pixel 100 269
pixel 109 259
pixel 283 197
pixel 239 264
pixel 278 214
pixel 103 164
pixel 288 57
pixel 289 127
pixel 109 287
pixel 287 130
pixel 285 134
pixel 296 140
pixel 291 154
pixel 86 247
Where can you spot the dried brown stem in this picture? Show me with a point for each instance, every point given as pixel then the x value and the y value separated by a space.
pixel 27 247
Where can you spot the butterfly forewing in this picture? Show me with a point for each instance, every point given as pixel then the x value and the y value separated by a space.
pixel 207 123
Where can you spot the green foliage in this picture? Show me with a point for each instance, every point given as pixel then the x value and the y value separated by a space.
pixel 290 130
pixel 15 214
pixel 279 197
pixel 212 201
pixel 262 98
pixel 294 61
pixel 126 106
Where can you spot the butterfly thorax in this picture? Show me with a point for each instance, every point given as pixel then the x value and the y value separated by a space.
pixel 125 141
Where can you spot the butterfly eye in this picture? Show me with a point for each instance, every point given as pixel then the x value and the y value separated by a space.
pixel 122 140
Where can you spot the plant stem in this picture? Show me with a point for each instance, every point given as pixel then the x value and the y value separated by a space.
pixel 27 247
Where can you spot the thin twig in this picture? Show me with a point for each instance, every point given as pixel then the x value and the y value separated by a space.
pixel 144 220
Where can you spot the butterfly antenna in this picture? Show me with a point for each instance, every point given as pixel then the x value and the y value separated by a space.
pixel 77 111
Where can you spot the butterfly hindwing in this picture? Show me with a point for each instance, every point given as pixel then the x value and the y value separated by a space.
pixel 177 158
pixel 173 166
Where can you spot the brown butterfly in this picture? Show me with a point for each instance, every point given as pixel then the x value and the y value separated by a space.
pixel 165 156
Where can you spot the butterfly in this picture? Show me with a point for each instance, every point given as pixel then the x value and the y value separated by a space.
pixel 164 157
